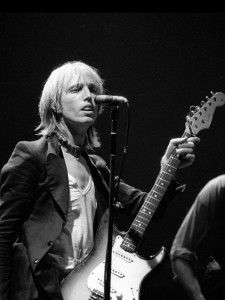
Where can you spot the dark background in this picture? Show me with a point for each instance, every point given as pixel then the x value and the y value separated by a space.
pixel 162 62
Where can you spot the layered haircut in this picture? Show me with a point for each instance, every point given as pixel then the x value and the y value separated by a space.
pixel 50 101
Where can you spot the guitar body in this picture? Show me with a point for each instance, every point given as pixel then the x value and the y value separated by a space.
pixel 127 270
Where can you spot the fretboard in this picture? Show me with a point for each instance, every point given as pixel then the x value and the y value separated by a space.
pixel 133 237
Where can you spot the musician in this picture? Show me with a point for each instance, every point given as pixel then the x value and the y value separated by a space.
pixel 55 189
pixel 197 252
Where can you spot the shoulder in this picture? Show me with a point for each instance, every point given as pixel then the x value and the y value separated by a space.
pixel 214 186
pixel 212 195
pixel 33 146
pixel 26 152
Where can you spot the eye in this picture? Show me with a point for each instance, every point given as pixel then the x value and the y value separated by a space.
pixel 93 88
pixel 75 88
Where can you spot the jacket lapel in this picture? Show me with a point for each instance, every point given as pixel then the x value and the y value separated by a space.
pixel 57 176
pixel 96 174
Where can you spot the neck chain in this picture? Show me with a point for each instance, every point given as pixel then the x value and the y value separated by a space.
pixel 75 150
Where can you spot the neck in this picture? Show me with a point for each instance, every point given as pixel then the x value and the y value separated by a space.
pixel 76 134
pixel 77 139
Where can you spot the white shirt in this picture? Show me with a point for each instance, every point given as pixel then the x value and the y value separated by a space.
pixel 80 220
pixel 77 236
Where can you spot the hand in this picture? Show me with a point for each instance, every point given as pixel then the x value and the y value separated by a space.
pixel 185 150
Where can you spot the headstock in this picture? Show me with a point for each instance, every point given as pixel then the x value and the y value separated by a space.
pixel 200 117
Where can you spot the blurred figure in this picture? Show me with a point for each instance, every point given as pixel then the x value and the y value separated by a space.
pixel 197 252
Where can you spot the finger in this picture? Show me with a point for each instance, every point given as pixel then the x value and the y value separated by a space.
pixel 194 139
pixel 189 157
pixel 187 160
pixel 178 141
pixel 186 145
pixel 184 151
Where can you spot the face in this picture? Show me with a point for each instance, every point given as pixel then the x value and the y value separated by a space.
pixel 78 108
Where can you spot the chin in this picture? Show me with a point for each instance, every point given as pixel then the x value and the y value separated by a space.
pixel 88 120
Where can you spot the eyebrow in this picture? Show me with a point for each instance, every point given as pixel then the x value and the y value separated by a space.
pixel 78 84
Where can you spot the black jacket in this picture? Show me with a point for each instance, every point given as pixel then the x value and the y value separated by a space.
pixel 33 208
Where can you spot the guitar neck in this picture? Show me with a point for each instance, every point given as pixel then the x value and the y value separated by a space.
pixel 133 237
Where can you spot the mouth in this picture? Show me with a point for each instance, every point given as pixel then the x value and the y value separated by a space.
pixel 88 108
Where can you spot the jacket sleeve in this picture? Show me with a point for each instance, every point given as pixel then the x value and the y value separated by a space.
pixel 17 192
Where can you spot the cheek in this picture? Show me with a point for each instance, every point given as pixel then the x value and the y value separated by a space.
pixel 69 106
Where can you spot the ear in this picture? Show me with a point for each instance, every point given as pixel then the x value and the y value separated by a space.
pixel 56 108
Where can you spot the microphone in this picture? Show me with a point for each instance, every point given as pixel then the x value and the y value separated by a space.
pixel 110 100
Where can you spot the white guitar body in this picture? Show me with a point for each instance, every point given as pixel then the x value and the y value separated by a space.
pixel 127 271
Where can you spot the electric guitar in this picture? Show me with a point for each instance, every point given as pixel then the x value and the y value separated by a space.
pixel 128 268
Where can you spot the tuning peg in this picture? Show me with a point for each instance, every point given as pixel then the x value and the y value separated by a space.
pixel 212 93
pixel 202 103
pixel 207 98
pixel 192 109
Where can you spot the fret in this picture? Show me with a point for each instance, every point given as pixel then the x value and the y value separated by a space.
pixel 139 230
pixel 140 224
pixel 163 179
pixel 175 158
pixel 175 161
pixel 171 166
pixel 162 183
pixel 147 212
pixel 145 205
pixel 168 173
pixel 162 186
pixel 154 197
pixel 143 218
pixel 157 192
pixel 152 203
pixel 138 227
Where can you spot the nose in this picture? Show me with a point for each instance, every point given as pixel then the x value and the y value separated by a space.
pixel 87 91
pixel 88 95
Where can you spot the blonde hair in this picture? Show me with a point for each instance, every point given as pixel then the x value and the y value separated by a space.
pixel 50 100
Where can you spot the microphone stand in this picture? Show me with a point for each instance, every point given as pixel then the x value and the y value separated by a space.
pixel 107 277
